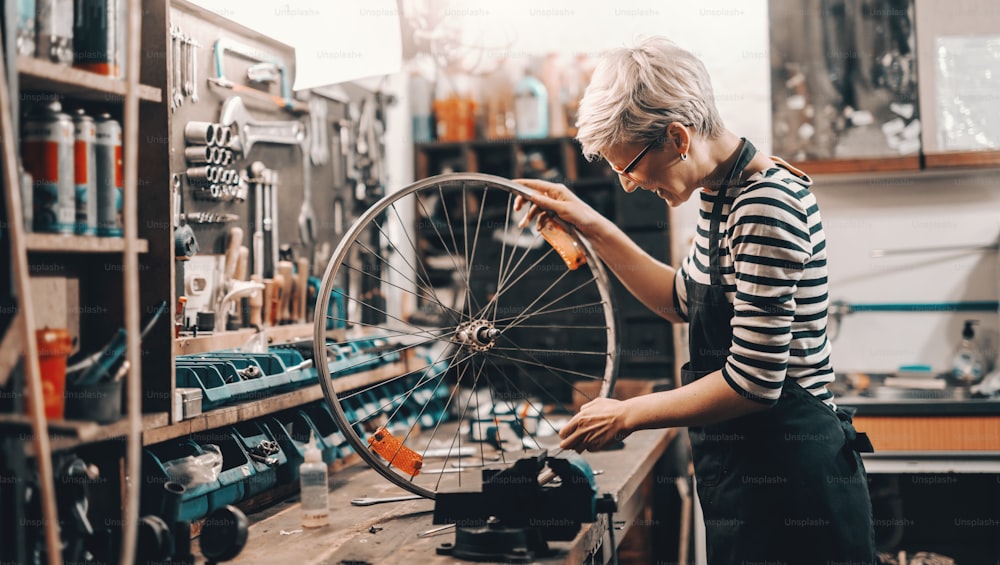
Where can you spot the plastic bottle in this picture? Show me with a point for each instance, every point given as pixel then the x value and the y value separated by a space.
pixel 531 108
pixel 314 488
pixel 967 366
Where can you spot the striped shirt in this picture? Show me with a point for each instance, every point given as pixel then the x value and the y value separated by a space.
pixel 777 283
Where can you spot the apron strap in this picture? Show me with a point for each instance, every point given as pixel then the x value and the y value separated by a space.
pixel 747 152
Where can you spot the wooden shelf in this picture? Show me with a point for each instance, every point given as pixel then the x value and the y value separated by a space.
pixel 69 434
pixel 237 338
pixel 229 415
pixel 39 74
pixel 66 243
pixel 962 159
pixel 861 165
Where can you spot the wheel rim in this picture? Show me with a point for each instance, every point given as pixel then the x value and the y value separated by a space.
pixel 519 332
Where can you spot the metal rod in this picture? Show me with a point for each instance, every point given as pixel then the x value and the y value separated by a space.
pixel 914 250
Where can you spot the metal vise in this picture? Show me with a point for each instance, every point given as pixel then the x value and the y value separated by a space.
pixel 525 506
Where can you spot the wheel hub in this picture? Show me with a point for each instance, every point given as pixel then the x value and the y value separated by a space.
pixel 478 335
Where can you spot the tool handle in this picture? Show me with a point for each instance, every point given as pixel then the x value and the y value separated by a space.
pixel 302 289
pixel 242 263
pixel 287 271
pixel 257 302
pixel 268 300
pixel 277 295
pixel 232 251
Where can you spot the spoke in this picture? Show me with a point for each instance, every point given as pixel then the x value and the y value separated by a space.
pixel 500 291
pixel 560 326
pixel 493 402
pixel 366 305
pixel 421 382
pixel 416 419
pixel 355 393
pixel 451 231
pixel 426 332
pixel 503 249
pixel 544 366
pixel 470 259
pixel 541 413
pixel 436 231
pixel 541 312
pixel 570 292
pixel 458 434
pixel 406 290
pixel 416 254
pixel 547 368
pixel 432 295
pixel 561 351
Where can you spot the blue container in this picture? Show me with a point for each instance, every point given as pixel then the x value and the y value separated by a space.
pixel 291 430
pixel 250 435
pixel 209 380
pixel 325 429
pixel 236 468
pixel 195 500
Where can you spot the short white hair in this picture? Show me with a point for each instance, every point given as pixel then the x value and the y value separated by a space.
pixel 636 92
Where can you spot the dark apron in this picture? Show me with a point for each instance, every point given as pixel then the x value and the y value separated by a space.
pixel 785 485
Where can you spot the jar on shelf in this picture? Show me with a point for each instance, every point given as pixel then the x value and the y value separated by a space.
pixel 454 110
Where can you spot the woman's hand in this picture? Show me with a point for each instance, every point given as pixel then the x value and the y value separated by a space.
pixel 556 199
pixel 600 423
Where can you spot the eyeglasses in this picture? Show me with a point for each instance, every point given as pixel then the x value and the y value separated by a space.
pixel 635 162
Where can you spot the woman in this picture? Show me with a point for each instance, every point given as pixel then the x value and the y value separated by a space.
pixel 779 475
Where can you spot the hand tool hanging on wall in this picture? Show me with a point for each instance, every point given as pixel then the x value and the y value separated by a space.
pixel 319 137
pixel 271 65
pixel 185 243
pixel 176 82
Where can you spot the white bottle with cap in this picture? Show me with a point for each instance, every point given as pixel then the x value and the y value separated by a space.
pixel 314 487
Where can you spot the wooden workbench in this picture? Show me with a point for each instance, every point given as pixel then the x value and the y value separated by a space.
pixel 387 533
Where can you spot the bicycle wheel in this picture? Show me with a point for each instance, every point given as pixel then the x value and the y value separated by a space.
pixel 498 332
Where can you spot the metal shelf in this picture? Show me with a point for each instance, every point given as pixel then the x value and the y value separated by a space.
pixel 66 243
pixel 39 74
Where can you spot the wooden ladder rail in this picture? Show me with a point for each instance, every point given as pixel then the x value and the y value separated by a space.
pixel 25 323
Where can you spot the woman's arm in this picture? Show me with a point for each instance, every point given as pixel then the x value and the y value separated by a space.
pixel 707 400
pixel 649 280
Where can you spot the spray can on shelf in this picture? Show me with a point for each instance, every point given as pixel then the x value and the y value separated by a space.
pixel 27 184
pixel 54 21
pixel 84 175
pixel 108 168
pixel 98 36
pixel 25 37
pixel 47 152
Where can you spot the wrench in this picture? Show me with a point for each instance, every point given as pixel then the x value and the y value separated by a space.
pixel 178 99
pixel 369 501
pixel 187 65
pixel 307 219
pixel 194 70
pixel 250 131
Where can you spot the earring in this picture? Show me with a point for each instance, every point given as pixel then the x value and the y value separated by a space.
pixel 684 156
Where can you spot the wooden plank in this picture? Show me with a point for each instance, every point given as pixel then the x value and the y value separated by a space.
pixel 70 434
pixel 66 243
pixel 238 338
pixel 963 159
pixel 386 534
pixel 39 74
pixel 861 165
pixel 10 348
pixel 931 433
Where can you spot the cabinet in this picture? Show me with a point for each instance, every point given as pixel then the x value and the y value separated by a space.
pixel 89 286
pixel 645 342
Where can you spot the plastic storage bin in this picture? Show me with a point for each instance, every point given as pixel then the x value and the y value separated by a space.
pixel 251 435
pixel 325 428
pixel 194 501
pixel 236 469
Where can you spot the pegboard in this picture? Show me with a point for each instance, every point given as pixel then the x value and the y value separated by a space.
pixel 328 181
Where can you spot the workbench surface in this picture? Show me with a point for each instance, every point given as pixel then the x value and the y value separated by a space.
pixel 387 533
